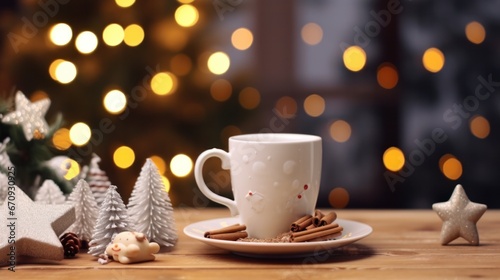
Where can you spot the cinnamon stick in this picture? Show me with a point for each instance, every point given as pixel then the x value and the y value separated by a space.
pixel 313 230
pixel 321 232
pixel 317 217
pixel 228 229
pixel 327 237
pixel 328 219
pixel 232 236
pixel 301 223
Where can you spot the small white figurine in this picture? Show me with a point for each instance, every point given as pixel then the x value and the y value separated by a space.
pixel 132 247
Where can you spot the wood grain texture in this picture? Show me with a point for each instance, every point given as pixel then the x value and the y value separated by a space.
pixel 404 244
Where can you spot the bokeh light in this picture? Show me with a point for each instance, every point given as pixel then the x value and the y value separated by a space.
pixel 186 15
pixel 354 58
pixel 228 131
pixel 65 72
pixel 181 64
pixel 451 167
pixel 73 170
pixel 53 67
pixel 242 39
pixel 314 105
pixel 475 32
pixel 181 165
pixel 387 76
pixel 38 95
pixel 340 131
pixel 113 35
pixel 393 159
pixel 124 157
pixel 86 42
pixel 133 35
pixel 160 163
pixel 164 83
pixel 115 101
pixel 286 107
pixel 221 90
pixel 312 33
pixel 124 3
pixel 479 127
pixel 249 98
pixel 80 134
pixel 433 60
pixel 61 139
pixel 60 34
pixel 218 63
pixel 166 183
pixel 338 198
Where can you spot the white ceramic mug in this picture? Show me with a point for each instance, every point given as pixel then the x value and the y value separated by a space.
pixel 275 179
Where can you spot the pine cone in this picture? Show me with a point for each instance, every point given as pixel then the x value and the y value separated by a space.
pixel 71 244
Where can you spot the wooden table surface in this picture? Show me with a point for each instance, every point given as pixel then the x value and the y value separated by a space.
pixel 404 245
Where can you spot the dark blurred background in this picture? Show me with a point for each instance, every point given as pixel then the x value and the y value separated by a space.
pixel 405 94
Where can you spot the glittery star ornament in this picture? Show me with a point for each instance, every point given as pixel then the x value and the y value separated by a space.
pixel 30 116
pixel 459 216
pixel 35 228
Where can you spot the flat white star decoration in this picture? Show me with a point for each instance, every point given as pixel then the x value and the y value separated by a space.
pixel 32 229
pixel 31 116
pixel 459 216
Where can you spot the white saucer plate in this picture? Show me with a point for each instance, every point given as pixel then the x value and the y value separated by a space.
pixel 353 231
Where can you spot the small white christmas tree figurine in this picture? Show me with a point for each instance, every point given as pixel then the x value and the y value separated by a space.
pixel 4 184
pixel 86 211
pixel 5 162
pixel 150 208
pixel 113 219
pixel 50 193
pixel 97 179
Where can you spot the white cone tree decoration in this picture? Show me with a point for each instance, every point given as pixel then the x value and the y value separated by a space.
pixel 86 211
pixel 150 208
pixel 50 193
pixel 5 162
pixel 113 219
pixel 97 179
pixel 4 185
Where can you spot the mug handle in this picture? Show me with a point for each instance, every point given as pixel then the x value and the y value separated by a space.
pixel 198 175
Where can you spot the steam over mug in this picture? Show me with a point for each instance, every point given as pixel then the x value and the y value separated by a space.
pixel 275 179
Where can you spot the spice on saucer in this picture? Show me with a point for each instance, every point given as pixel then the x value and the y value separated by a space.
pixel 233 232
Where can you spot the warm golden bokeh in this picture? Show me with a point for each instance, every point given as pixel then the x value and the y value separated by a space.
pixel 60 34
pixel 433 60
pixel 475 32
pixel 394 159
pixel 249 98
pixel 86 42
pixel 387 76
pixel 124 157
pixel 181 165
pixel 354 58
pixel 314 105
pixel 61 139
pixel 113 35
pixel 451 167
pixel 221 90
pixel 312 33
pixel 218 63
pixel 286 107
pixel 479 127
pixel 242 39
pixel 338 198
pixel 80 134
pixel 340 131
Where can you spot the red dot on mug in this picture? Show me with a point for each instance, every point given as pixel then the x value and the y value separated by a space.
pixel 299 196
pixel 306 187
